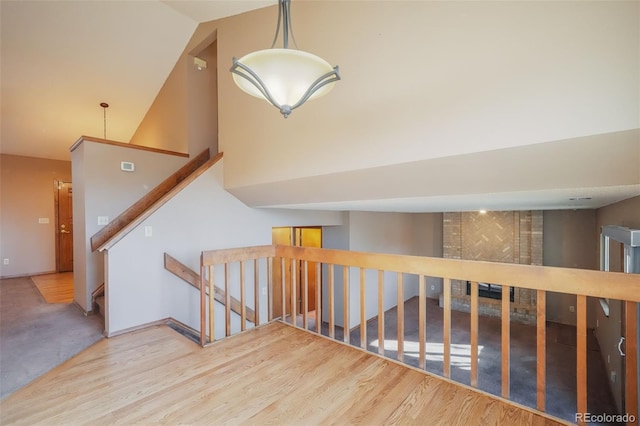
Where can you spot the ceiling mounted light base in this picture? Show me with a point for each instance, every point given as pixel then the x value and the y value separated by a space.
pixel 285 77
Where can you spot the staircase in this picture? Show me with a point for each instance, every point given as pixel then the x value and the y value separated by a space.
pixel 152 200
pixel 137 213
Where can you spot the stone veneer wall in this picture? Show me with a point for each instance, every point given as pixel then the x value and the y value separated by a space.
pixel 507 237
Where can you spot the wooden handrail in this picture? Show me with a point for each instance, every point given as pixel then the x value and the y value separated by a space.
pixel 83 139
pixel 191 277
pixel 542 279
pixel 138 208
pixel 561 280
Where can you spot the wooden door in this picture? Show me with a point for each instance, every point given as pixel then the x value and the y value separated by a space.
pixel 63 195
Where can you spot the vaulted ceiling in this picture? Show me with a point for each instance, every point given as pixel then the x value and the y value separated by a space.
pixel 61 59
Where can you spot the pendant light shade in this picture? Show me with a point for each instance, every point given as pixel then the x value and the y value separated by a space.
pixel 285 77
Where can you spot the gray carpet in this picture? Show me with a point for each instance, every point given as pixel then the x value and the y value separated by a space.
pixel 36 336
pixel 561 357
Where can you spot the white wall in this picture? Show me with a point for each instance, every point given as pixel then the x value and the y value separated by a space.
pixel 393 233
pixel 100 188
pixel 202 216
pixel 428 242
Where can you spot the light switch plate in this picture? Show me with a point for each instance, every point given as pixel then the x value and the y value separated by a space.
pixel 103 220
pixel 43 220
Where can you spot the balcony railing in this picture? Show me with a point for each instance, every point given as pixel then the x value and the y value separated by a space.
pixel 247 273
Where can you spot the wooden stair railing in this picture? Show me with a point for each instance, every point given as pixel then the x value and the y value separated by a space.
pixel 99 291
pixel 187 274
pixel 137 209
pixel 539 279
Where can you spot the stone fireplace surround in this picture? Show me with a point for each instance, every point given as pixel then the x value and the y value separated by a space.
pixel 501 236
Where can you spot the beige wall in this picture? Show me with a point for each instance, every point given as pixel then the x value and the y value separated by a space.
pixel 141 291
pixel 184 115
pixel 418 96
pixel 424 80
pixel 102 189
pixel 569 242
pixel 27 194
pixel 166 122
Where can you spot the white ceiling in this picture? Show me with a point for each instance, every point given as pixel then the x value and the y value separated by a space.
pixel 61 59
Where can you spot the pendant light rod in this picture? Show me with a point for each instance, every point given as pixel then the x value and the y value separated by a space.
pixel 104 106
pixel 279 75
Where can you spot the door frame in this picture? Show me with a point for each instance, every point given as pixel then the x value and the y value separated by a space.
pixel 56 207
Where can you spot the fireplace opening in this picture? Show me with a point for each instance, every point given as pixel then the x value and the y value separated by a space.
pixel 490 291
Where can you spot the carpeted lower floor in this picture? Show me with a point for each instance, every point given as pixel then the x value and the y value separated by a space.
pixel 36 336
pixel 560 353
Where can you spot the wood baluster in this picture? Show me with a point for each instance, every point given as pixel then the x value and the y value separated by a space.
pixel 283 288
pixel 581 353
pixel 631 358
pixel 243 303
pixel 422 317
pixel 305 293
pixel 332 324
pixel 446 328
pixel 203 305
pixel 363 313
pixel 269 288
pixel 212 299
pixel 381 312
pixel 345 290
pixel 294 292
pixel 256 293
pixel 506 340
pixel 400 309
pixel 474 334
pixel 541 356
pixel 318 298
pixel 227 300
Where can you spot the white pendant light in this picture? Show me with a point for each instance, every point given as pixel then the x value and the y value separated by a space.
pixel 285 77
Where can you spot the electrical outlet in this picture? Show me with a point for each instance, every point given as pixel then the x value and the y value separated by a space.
pixel 572 308
pixel 5 261
pixel 148 231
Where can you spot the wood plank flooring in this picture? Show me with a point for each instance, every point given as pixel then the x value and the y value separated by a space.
pixel 275 374
pixel 55 288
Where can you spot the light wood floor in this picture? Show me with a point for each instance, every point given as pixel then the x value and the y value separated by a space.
pixel 55 288
pixel 275 374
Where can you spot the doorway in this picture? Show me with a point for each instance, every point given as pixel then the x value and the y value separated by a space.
pixel 620 252
pixel 301 237
pixel 63 199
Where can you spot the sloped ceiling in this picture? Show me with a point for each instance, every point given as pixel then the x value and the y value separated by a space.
pixel 61 59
